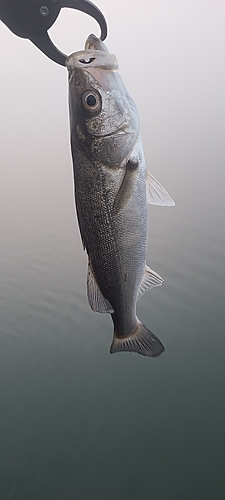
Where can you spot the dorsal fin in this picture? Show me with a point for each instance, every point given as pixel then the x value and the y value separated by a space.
pixel 156 193
pixel 149 280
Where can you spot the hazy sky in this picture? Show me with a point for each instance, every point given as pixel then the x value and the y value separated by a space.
pixel 171 56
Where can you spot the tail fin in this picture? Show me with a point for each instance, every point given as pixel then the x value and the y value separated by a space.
pixel 141 341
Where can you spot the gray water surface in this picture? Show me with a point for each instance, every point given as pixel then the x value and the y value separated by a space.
pixel 75 422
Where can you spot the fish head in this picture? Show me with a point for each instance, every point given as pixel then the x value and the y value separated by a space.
pixel 104 118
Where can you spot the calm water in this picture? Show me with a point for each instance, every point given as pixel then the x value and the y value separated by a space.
pixel 76 422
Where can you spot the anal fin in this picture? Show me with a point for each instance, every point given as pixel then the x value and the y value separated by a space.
pixel 97 301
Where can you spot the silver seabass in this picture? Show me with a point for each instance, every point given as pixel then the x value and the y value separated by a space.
pixel 110 193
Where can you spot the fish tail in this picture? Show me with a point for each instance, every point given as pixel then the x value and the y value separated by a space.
pixel 140 340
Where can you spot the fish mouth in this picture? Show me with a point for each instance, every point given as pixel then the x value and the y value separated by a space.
pixel 94 43
pixel 91 58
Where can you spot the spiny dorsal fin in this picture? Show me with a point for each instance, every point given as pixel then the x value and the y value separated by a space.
pixel 149 280
pixel 96 300
pixel 156 193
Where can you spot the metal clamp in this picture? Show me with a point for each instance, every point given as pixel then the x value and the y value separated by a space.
pixel 32 18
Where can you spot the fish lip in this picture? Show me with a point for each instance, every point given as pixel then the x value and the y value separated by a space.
pixel 98 59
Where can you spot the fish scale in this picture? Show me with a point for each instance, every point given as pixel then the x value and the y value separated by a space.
pixel 95 202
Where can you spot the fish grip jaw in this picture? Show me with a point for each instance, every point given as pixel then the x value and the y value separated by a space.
pixel 32 18
pixel 44 42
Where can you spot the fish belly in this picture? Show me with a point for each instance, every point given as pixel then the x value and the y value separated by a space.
pixel 115 242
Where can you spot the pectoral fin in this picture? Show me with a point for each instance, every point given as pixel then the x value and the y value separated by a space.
pixel 127 186
pixel 149 280
pixel 156 194
pixel 96 300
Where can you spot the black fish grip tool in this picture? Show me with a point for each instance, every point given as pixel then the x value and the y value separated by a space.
pixel 32 18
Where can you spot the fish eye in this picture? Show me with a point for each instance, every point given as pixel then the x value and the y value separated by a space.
pixel 91 101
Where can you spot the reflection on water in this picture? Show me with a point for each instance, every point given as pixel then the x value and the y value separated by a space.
pixel 77 423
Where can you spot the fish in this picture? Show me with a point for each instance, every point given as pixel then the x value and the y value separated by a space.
pixel 112 189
